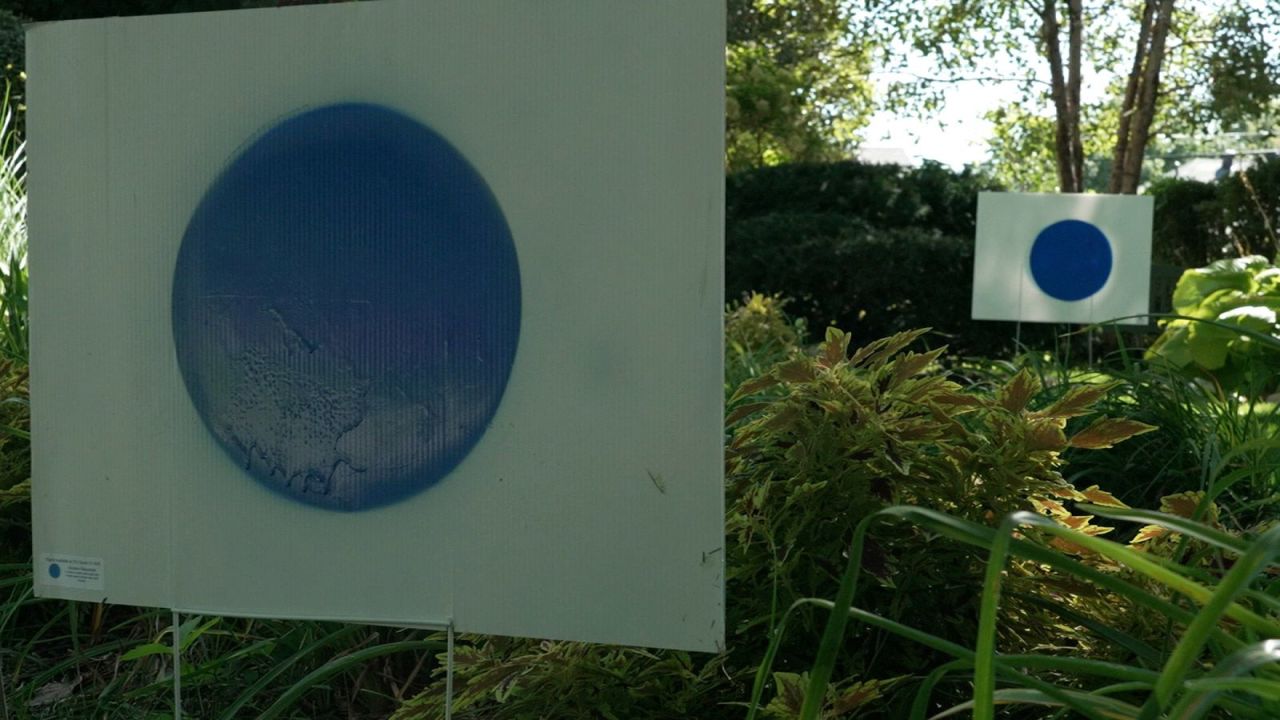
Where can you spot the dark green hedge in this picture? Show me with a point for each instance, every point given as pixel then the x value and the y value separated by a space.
pixel 876 249
pixel 873 249
pixel 885 196
pixel 1197 223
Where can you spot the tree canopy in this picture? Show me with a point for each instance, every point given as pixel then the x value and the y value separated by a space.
pixel 1102 84
pixel 797 84
pixel 1155 69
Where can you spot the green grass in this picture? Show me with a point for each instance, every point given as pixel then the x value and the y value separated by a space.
pixel 1227 656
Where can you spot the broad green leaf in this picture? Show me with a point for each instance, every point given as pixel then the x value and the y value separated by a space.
pixel 1220 302
pixel 1198 283
pixel 1255 317
pixel 1207 344
pixel 1173 346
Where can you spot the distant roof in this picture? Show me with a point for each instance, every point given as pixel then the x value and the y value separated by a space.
pixel 1217 167
pixel 884 156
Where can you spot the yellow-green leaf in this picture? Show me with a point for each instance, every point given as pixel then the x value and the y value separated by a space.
pixel 1148 533
pixel 881 349
pixel 1046 435
pixel 911 364
pixel 1077 401
pixel 755 385
pixel 1018 392
pixel 796 371
pixel 836 347
pixel 744 411
pixel 1097 496
pixel 1106 432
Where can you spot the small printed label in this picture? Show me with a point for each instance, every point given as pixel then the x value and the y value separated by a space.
pixel 71 571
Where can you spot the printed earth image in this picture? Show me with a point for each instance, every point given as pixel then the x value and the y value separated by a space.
pixel 346 307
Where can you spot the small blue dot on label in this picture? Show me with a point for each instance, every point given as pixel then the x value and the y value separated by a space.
pixel 54 571
pixel 1071 260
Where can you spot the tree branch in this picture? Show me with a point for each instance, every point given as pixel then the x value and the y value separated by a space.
pixel 1075 18
pixel 964 78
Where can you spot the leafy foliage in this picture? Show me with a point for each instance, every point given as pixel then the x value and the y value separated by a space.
pixel 1197 223
pixel 1229 327
pixel 518 679
pixel 1207 440
pixel 796 83
pixel 844 436
pixel 1218 72
pixel 757 335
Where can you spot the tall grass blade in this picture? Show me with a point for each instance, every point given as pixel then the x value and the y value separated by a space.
pixel 1219 604
pixel 1101 705
pixel 250 692
pixel 1202 692
pixel 341 665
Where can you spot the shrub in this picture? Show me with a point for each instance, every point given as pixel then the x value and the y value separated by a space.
pixel 876 249
pixel 885 196
pixel 873 249
pixel 840 271
pixel 758 334
pixel 843 437
pixel 1197 223
pixel 1249 206
pixel 1186 230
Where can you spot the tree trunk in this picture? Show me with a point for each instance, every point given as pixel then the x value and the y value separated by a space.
pixel 1068 178
pixel 1075 19
pixel 1131 97
pixel 1140 97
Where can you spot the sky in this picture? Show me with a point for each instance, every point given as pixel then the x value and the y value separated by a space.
pixel 957 134
pixel 955 137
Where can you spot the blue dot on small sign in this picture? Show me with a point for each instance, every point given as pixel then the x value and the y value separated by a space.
pixel 54 571
pixel 1071 260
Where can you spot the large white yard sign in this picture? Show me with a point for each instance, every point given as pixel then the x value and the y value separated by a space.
pixel 400 312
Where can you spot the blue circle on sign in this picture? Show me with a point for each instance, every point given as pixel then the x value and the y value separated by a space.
pixel 346 307
pixel 1071 260
pixel 54 571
